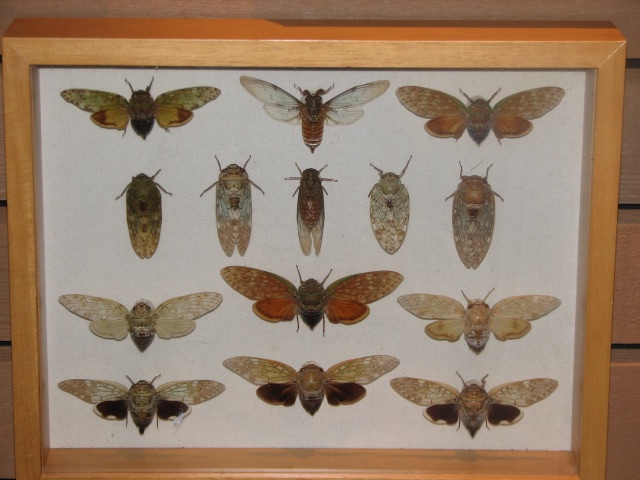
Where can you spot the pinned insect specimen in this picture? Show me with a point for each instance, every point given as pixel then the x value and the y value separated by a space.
pixel 142 400
pixel 144 213
pixel 172 318
pixel 171 109
pixel 474 211
pixel 509 118
pixel 344 301
pixel 508 319
pixel 474 406
pixel 281 384
pixel 310 211
pixel 389 210
pixel 233 207
pixel 312 111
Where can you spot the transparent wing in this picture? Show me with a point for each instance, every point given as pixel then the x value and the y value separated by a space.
pixel 529 104
pixel 257 284
pixel 523 393
pixel 340 110
pixel 429 103
pixel 94 391
pixel 261 371
pixel 94 100
pixel 108 317
pixel 437 307
pixel 424 392
pixel 278 104
pixel 365 287
pixel 174 317
pixel 308 234
pixel 362 370
pixel 190 391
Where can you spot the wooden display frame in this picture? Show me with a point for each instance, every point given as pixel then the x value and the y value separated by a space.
pixel 260 43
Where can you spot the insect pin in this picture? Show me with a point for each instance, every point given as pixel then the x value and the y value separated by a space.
pixel 110 110
pixel 142 400
pixel 312 111
pixel 144 213
pixel 233 207
pixel 310 210
pixel 508 319
pixel 389 210
pixel 473 406
pixel 473 218
pixel 172 318
pixel 281 384
pixel 509 118
pixel 344 301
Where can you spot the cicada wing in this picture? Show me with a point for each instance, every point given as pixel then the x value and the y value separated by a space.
pixel 343 393
pixel 362 370
pixel 424 392
pixel 175 317
pixel 261 371
pixel 190 391
pixel 358 95
pixel 437 307
pixel 94 391
pixel 429 103
pixel 278 393
pixel 530 104
pixel 446 127
pixel 108 317
pixel 187 98
pixel 499 414
pixel 510 127
pixel 278 104
pixel 365 287
pixel 450 330
pixel 473 234
pixel 94 100
pixel 257 284
pixel 310 234
pixel 523 393
pixel 510 317
pixel 225 221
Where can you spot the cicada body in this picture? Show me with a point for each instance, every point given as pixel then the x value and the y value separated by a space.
pixel 142 400
pixel 312 111
pixel 144 213
pixel 310 211
pixel 281 384
pixel 389 210
pixel 473 218
pixel 172 318
pixel 474 406
pixel 344 301
pixel 509 118
pixel 233 207
pixel 171 109
pixel 508 319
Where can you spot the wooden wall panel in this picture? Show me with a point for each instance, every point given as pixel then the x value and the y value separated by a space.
pixel 630 168
pixel 7 469
pixel 5 330
pixel 626 306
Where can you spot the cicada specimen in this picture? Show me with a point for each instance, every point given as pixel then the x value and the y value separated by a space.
pixel 144 213
pixel 389 210
pixel 171 109
pixel 281 384
pixel 509 118
pixel 233 207
pixel 310 211
pixel 172 318
pixel 474 406
pixel 142 400
pixel 473 218
pixel 344 301
pixel 312 111
pixel 508 319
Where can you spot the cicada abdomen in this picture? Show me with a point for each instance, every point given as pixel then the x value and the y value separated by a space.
pixel 310 212
pixel 144 213
pixel 389 210
pixel 233 207
pixel 473 217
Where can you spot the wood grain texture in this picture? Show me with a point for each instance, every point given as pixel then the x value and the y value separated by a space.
pixel 623 461
pixel 7 469
pixel 626 307
pixel 630 173
pixel 5 327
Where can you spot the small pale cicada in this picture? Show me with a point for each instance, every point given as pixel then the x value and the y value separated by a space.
pixel 509 118
pixel 473 406
pixel 310 211
pixel 172 318
pixel 142 400
pixel 233 207
pixel 171 109
pixel 344 301
pixel 144 213
pixel 508 319
pixel 312 112
pixel 473 217
pixel 281 384
pixel 389 210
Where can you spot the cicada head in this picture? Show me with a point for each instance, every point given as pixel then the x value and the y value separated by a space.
pixel 142 324
pixel 474 191
pixel 311 379
pixel 234 179
pixel 311 298
pixel 142 109
pixel 313 104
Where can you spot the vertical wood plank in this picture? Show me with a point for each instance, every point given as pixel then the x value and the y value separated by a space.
pixel 7 458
